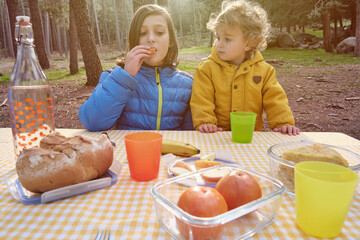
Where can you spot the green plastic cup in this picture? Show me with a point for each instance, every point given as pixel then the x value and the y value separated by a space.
pixel 323 195
pixel 242 126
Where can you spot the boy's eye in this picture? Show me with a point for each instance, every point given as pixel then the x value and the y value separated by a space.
pixel 159 33
pixel 227 39
pixel 142 33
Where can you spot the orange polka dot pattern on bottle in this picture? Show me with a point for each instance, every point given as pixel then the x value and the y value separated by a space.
pixel 31 117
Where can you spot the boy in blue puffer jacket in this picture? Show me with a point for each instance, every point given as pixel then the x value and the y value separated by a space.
pixel 144 91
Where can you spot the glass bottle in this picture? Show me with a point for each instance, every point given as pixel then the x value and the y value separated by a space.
pixel 29 94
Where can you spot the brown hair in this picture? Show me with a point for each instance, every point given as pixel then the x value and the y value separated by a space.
pixel 250 17
pixel 143 12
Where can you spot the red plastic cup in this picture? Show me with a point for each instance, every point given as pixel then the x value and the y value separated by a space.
pixel 143 151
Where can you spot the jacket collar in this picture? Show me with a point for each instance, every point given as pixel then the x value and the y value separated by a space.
pixel 215 57
pixel 164 71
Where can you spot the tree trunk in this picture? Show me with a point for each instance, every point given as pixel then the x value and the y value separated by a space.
pixel 200 25
pixel 54 38
pixel 106 34
pixel 357 35
pixel 103 17
pixel 3 26
pixel 65 41
pixel 181 30
pixel 326 31
pixel 139 3
pixel 38 34
pixel 97 27
pixel 288 28
pixel 22 8
pixel 9 37
pixel 51 36
pixel 12 7
pixel 118 39
pixel 194 10
pixel 47 34
pixel 353 5
pixel 74 67
pixel 58 40
pixel 131 7
pixel 335 14
pixel 163 3
pixel 92 62
pixel 128 19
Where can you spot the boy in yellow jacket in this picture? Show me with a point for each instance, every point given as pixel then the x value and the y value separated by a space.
pixel 235 76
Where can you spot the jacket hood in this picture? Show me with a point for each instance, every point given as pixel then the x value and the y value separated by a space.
pixel 215 57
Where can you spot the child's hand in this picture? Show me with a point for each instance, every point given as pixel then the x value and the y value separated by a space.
pixel 135 57
pixel 291 130
pixel 209 129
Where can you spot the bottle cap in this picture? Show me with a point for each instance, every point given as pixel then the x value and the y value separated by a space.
pixel 24 18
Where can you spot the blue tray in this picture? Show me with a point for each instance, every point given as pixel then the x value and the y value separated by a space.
pixel 27 197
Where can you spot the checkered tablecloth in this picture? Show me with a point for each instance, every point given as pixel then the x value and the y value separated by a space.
pixel 127 208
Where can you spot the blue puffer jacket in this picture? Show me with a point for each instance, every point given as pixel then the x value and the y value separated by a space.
pixel 128 102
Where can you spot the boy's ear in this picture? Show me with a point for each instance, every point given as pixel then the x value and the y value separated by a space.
pixel 247 48
pixel 249 44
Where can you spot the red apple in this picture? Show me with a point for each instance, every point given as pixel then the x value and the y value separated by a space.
pixel 201 201
pixel 238 188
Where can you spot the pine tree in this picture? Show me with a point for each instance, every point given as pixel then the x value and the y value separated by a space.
pixel 91 58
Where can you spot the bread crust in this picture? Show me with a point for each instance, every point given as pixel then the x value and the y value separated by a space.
pixel 62 161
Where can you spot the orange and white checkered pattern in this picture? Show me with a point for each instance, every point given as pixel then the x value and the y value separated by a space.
pixel 127 208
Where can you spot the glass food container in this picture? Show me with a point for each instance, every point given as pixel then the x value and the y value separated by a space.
pixel 283 169
pixel 239 223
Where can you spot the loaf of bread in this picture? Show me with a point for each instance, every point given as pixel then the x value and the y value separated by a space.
pixel 62 161
pixel 313 152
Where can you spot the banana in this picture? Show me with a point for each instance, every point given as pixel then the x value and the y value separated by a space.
pixel 179 148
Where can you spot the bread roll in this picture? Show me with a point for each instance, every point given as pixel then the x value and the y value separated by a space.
pixel 62 161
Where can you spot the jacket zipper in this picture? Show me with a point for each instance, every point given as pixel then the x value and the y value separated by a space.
pixel 158 118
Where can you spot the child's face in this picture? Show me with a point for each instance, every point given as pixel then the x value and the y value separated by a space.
pixel 231 45
pixel 154 33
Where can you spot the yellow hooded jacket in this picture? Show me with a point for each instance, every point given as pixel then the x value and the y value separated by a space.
pixel 220 88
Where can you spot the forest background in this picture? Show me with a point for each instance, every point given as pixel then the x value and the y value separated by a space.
pixel 77 39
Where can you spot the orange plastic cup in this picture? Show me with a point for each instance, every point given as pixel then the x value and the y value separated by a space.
pixel 143 151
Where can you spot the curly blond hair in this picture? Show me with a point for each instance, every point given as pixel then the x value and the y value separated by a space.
pixel 250 17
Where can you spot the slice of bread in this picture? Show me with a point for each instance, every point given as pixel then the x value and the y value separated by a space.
pixel 315 152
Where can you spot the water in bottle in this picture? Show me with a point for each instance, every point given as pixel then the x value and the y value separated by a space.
pixel 30 97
